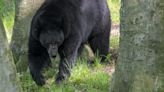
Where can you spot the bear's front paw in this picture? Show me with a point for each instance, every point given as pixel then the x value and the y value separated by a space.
pixel 59 80
pixel 39 79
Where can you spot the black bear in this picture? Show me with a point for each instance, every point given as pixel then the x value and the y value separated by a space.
pixel 64 26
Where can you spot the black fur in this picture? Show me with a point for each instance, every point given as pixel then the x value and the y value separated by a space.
pixel 63 26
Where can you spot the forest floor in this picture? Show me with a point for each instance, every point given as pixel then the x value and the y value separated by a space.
pixel 115 33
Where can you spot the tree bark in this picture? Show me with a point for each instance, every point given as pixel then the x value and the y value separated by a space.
pixel 8 78
pixel 25 9
pixel 140 65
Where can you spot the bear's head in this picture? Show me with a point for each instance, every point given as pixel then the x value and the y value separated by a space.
pixel 51 40
pixel 49 31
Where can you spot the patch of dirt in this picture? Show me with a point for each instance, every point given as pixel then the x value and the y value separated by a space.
pixel 115 30
pixel 114 54
pixel 114 51
pixel 110 69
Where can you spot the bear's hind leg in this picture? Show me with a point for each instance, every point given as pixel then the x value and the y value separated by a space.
pixel 100 45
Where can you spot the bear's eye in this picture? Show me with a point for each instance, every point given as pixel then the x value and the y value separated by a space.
pixel 46 45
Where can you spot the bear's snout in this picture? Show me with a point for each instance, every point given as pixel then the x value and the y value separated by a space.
pixel 52 51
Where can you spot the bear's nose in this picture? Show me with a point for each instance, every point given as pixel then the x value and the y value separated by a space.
pixel 52 53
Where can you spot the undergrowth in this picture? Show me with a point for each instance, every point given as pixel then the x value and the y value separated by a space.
pixel 84 78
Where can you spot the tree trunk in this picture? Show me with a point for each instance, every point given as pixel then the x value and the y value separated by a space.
pixel 8 78
pixel 140 65
pixel 24 12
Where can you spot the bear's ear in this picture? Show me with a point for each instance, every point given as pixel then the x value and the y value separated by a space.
pixel 36 29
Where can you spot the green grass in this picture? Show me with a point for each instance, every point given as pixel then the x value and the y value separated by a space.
pixel 84 78
pixel 114 6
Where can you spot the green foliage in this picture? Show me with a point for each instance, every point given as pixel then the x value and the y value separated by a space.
pixel 7 12
pixel 1 6
pixel 114 6
pixel 84 78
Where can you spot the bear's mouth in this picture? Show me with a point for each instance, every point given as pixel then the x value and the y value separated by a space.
pixel 52 53
pixel 53 56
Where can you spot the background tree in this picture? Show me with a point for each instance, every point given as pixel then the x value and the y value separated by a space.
pixel 25 9
pixel 8 78
pixel 140 65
